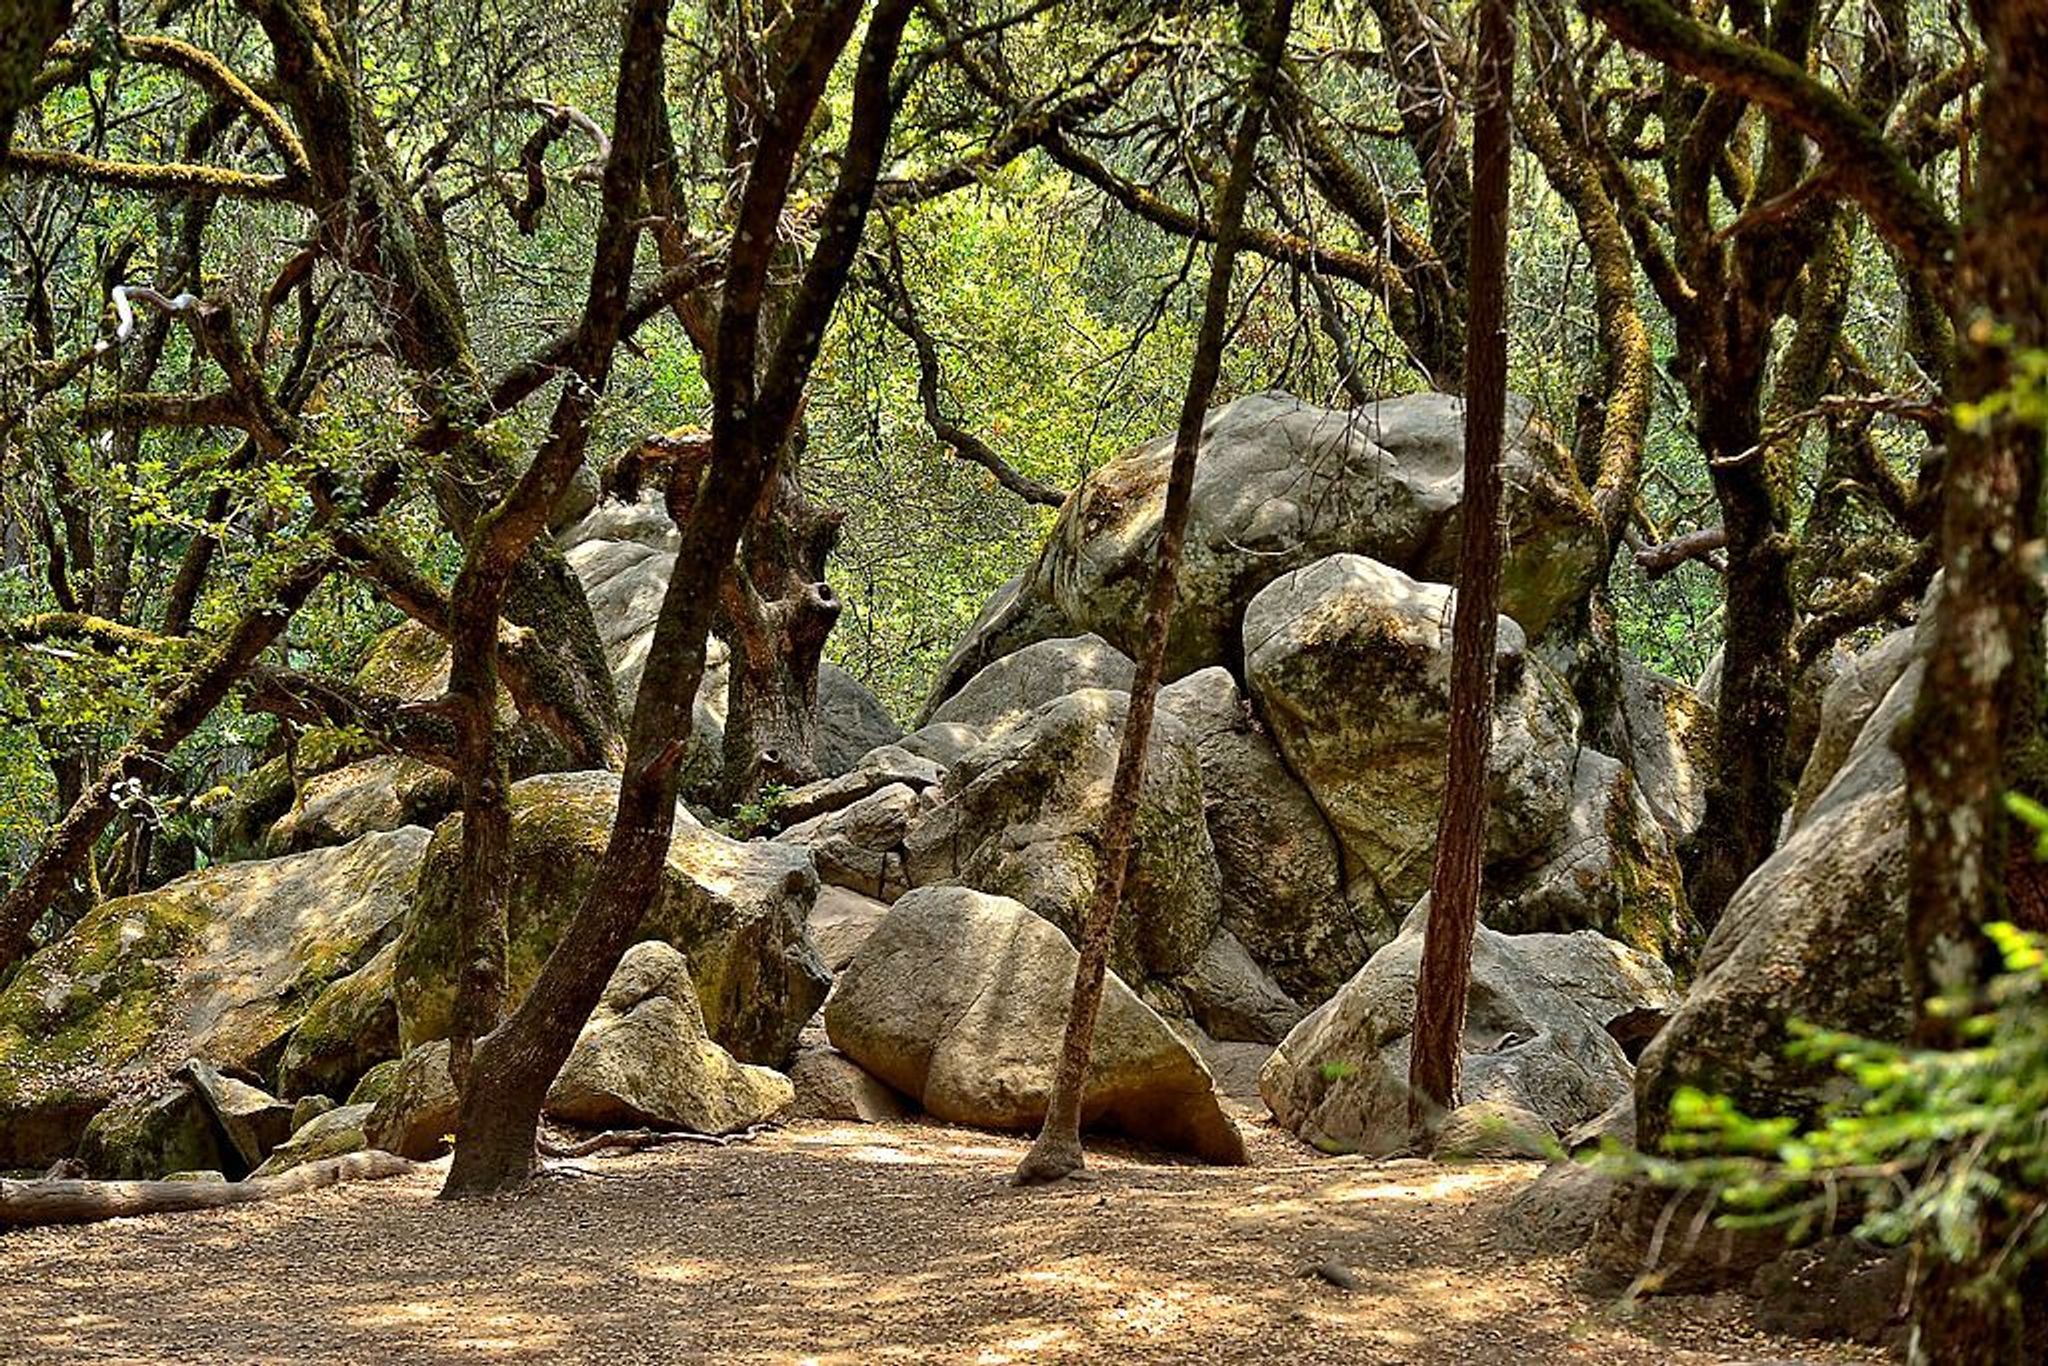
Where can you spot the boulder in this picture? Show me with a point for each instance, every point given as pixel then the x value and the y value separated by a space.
pixel 1492 1129
pixel 840 922
pixel 1817 933
pixel 1558 1211
pixel 416 1116
pixel 851 721
pixel 959 1000
pixel 1350 662
pixel 251 1119
pixel 1010 689
pixel 861 846
pixel 883 766
pixel 831 1086
pixel 944 743
pixel 1232 997
pixel 148 1134
pixel 331 1133
pixel 306 1109
pixel 645 1059
pixel 1846 706
pixel 350 1028
pixel 1280 870
pixel 736 909
pixel 220 965
pixel 1020 816
pixel 1535 1037
pixel 1280 485
pixel 375 1085
pixel 380 793
pixel 1015 616
pixel 1668 737
pixel 1611 869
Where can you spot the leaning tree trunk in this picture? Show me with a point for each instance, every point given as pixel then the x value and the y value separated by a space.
pixel 1057 1152
pixel 1976 732
pixel 1436 1055
pixel 779 610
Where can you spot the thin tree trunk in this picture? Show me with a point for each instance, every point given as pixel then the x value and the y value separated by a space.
pixel 504 535
pixel 1057 1152
pixel 1436 1054
pixel 1977 730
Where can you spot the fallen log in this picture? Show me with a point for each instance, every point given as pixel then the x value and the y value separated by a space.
pixel 633 1140
pixel 28 1204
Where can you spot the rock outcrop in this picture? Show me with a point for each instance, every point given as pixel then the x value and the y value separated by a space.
pixel 736 909
pixel 1019 817
pixel 1535 1037
pixel 959 1000
pixel 644 1058
pixel 220 965
pixel 1280 485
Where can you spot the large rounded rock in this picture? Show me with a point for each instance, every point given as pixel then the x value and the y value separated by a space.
pixel 221 964
pixel 1281 874
pixel 1846 706
pixel 415 1117
pixel 146 1136
pixel 1021 815
pixel 737 909
pixel 959 1000
pixel 1535 1037
pixel 1013 687
pixel 851 721
pixel 1280 484
pixel 1350 661
pixel 644 1058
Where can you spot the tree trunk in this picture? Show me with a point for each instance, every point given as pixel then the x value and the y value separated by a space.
pixel 27 28
pixel 29 1204
pixel 1057 1152
pixel 779 613
pixel 1436 1055
pixel 753 414
pixel 1976 733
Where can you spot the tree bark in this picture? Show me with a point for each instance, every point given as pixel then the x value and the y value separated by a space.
pixel 754 411
pixel 1976 733
pixel 1057 1153
pixel 27 28
pixel 1436 1055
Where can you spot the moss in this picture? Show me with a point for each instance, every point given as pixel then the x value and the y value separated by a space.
pixel 350 1027
pixel 407 661
pixel 374 1085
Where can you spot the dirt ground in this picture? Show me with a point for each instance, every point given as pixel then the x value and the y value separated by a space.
pixel 823 1244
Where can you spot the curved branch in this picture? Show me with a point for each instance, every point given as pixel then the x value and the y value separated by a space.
pixel 1871 170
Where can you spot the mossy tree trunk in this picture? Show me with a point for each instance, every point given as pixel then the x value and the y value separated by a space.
pixel 1977 731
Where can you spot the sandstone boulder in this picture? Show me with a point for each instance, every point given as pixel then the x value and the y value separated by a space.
pixel 1535 1037
pixel 147 1134
pixel 644 1058
pixel 331 1133
pixel 840 922
pixel 736 909
pixel 1233 999
pixel 959 1000
pixel 220 965
pixel 831 1086
pixel 861 846
pixel 349 1028
pixel 1020 816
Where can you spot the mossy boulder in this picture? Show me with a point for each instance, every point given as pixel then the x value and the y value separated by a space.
pixel 221 965
pixel 375 1084
pixel 142 1137
pixel 1022 814
pixel 350 1028
pixel 1350 662
pixel 736 909
pixel 331 1133
pixel 644 1058
pixel 415 1117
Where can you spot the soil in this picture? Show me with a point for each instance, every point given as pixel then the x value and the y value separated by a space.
pixel 858 1244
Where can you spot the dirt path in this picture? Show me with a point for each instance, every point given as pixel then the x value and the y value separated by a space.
pixel 849 1245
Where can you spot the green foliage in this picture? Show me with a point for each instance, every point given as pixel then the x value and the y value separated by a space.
pixel 1945 1148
